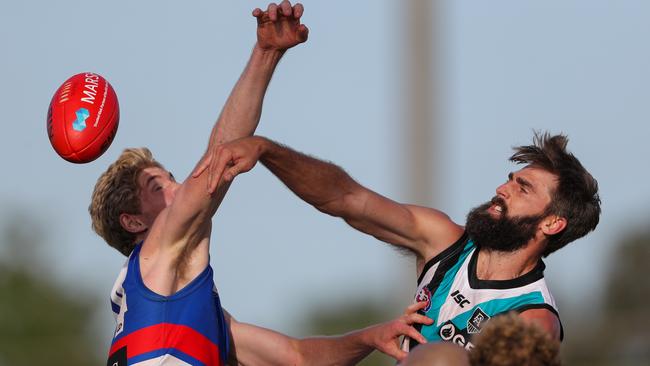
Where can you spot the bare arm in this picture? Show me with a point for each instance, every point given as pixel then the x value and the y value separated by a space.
pixel 278 29
pixel 331 190
pixel 259 346
pixel 183 226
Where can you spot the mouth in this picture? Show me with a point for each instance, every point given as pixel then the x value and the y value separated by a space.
pixel 498 207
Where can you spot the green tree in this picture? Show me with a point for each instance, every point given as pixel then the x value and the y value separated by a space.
pixel 620 335
pixel 40 324
pixel 626 323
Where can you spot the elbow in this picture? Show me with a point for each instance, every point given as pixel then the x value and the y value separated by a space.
pixel 346 205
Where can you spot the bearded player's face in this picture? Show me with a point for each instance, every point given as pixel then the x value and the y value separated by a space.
pixel 513 217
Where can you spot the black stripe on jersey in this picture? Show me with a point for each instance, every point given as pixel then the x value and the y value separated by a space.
pixel 443 256
pixel 535 274
pixel 447 258
pixel 547 307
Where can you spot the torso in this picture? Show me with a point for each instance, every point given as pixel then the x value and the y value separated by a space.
pixel 185 328
pixel 460 303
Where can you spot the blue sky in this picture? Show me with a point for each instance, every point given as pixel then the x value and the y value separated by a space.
pixel 508 67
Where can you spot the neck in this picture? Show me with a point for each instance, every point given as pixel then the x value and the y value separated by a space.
pixel 498 265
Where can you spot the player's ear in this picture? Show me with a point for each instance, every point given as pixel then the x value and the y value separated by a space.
pixel 553 224
pixel 132 223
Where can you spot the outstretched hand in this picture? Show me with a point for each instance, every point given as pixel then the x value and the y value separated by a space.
pixel 279 28
pixel 385 337
pixel 226 161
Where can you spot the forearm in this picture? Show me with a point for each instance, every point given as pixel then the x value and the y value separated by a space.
pixel 259 346
pixel 241 113
pixel 348 349
pixel 321 184
pixel 263 347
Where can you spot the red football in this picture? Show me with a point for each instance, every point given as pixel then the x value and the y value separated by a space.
pixel 83 118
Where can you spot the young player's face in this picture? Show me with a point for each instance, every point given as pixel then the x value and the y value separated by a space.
pixel 157 190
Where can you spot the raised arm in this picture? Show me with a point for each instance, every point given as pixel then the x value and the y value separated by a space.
pixel 185 223
pixel 331 190
pixel 278 29
pixel 259 346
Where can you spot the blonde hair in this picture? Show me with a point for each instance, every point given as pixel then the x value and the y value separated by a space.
pixel 117 192
pixel 508 340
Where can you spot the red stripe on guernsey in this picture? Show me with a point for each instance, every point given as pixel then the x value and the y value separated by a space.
pixel 167 335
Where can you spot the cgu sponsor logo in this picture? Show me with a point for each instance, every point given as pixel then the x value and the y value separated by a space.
pixel 450 333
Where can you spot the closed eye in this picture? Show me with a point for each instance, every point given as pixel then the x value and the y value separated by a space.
pixel 524 184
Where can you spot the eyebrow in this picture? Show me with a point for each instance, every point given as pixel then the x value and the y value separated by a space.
pixel 150 179
pixel 524 183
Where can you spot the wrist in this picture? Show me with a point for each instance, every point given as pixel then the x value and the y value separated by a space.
pixel 267 55
pixel 364 337
pixel 263 145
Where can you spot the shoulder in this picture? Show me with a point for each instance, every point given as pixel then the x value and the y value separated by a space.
pixel 546 319
pixel 438 231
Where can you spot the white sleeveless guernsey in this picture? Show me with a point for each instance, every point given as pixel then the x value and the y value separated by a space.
pixel 460 303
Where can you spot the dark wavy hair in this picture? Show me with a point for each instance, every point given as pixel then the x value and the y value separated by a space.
pixel 576 196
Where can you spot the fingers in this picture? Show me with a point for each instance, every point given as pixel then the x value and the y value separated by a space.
pixel 418 319
pixel 302 33
pixel 272 11
pixel 275 11
pixel 298 9
pixel 218 168
pixel 406 328
pixel 413 308
pixel 203 165
pixel 414 334
pixel 395 352
pixel 234 171
pixel 286 9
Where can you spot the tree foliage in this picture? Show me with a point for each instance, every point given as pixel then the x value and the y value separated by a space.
pixel 40 323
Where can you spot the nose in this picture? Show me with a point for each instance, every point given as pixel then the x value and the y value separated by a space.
pixel 174 187
pixel 171 191
pixel 502 190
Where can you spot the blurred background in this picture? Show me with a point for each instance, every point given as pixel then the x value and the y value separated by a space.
pixel 418 100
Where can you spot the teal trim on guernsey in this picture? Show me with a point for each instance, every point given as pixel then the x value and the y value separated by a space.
pixel 430 332
pixel 498 306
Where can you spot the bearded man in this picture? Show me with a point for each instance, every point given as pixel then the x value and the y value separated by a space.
pixel 466 274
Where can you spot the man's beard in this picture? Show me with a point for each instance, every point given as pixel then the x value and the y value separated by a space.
pixel 503 234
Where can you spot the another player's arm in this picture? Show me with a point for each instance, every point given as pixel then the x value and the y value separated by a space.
pixel 187 220
pixel 254 345
pixel 331 190
pixel 545 319
pixel 278 29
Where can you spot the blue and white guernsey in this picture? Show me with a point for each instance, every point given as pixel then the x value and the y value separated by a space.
pixel 186 328
pixel 460 303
